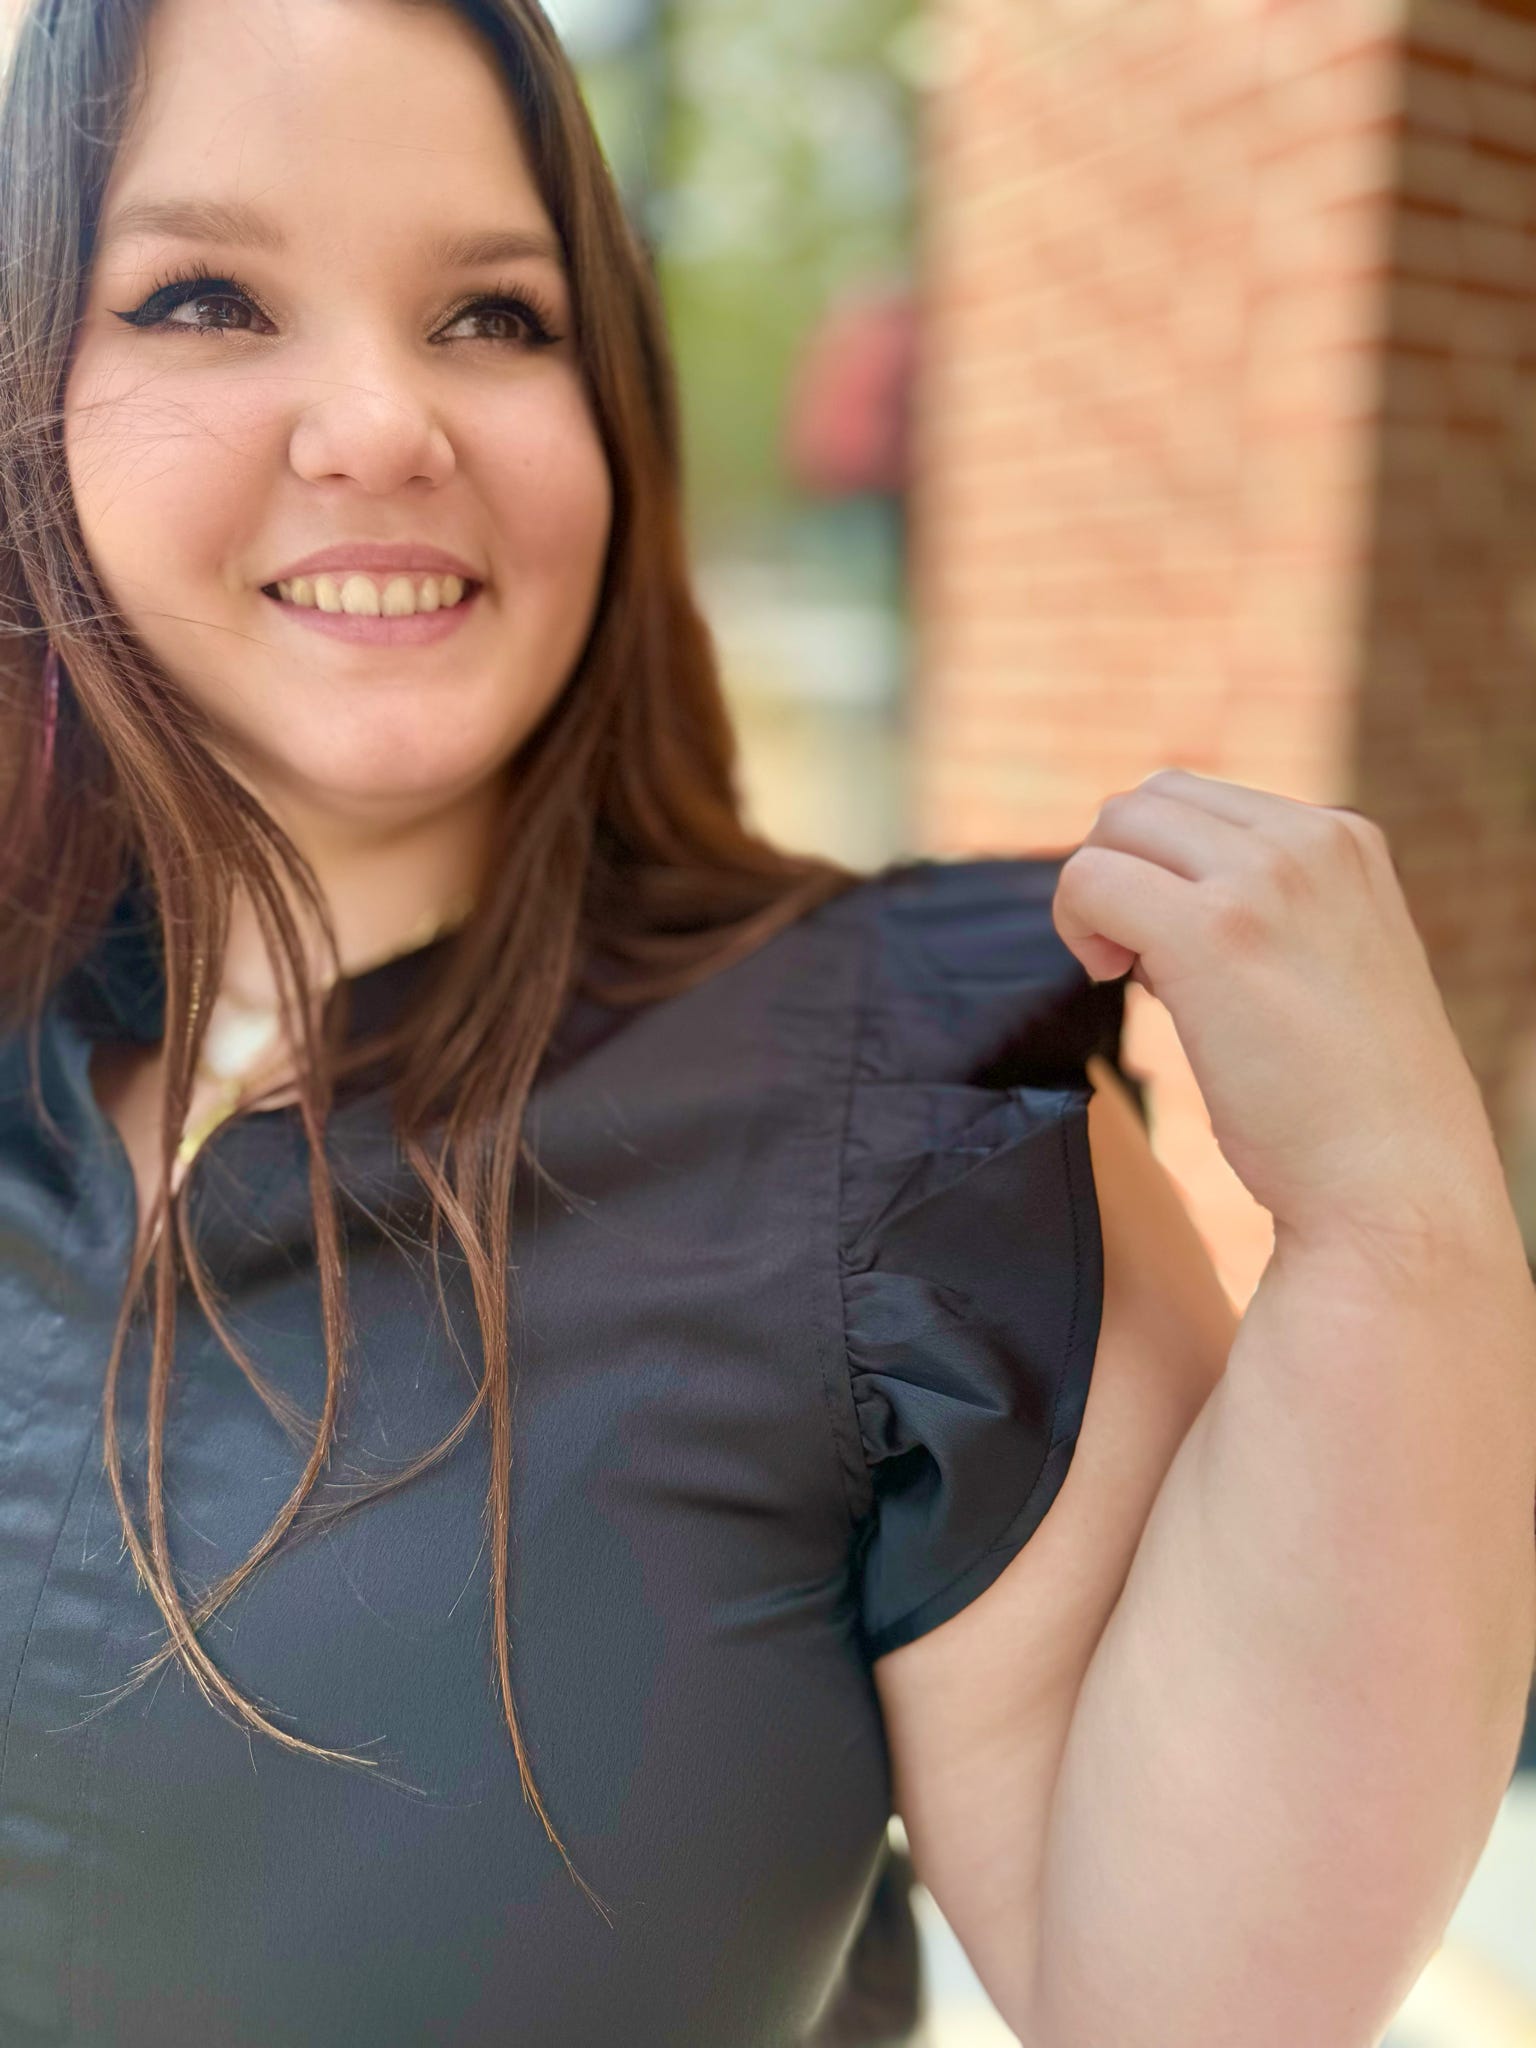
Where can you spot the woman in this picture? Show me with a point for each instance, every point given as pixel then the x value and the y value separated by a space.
pixel 375 835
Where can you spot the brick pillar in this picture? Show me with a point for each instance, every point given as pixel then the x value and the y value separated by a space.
pixel 1223 455
pixel 1444 749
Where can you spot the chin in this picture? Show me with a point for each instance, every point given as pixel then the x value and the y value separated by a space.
pixel 362 783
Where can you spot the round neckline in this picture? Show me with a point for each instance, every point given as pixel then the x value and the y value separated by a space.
pixel 117 989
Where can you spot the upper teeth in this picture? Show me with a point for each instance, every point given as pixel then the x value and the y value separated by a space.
pixel 393 597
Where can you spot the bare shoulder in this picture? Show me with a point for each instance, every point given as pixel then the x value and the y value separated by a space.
pixel 977 1710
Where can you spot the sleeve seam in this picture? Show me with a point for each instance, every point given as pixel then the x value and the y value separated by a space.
pixel 848 1439
pixel 1070 1353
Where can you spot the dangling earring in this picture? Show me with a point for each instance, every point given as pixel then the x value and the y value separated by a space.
pixel 50 716
pixel 37 784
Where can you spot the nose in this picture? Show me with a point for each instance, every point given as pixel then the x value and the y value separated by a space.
pixel 380 435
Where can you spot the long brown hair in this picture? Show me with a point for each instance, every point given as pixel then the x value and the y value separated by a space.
pixel 622 839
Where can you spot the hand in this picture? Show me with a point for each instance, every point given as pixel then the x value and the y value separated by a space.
pixel 1277 935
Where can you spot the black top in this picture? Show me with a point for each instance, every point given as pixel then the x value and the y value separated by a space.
pixel 805 1348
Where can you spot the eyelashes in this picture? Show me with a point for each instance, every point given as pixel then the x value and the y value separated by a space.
pixel 171 292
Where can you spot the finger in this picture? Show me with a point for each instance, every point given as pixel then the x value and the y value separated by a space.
pixel 1179 836
pixel 1103 959
pixel 1234 801
pixel 1282 820
pixel 1102 893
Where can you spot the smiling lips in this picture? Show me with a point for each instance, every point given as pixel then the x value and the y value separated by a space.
pixel 355 608
pixel 378 558
pixel 363 596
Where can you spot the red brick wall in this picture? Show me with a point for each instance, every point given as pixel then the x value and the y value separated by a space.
pixel 1445 735
pixel 1222 447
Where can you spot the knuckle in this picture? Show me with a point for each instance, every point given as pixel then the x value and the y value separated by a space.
pixel 1370 833
pixel 1114 805
pixel 1349 838
pixel 1234 921
pixel 1343 826
pixel 1287 869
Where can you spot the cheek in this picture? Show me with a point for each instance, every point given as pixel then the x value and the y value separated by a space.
pixel 164 480
pixel 553 500
pixel 153 481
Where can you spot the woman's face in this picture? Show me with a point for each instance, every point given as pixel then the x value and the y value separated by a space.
pixel 338 384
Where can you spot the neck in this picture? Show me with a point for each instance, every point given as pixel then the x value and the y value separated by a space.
pixel 386 895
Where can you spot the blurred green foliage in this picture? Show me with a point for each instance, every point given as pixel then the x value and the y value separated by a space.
pixel 769 149
pixel 785 177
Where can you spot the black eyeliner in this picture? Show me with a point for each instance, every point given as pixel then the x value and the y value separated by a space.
pixel 171 293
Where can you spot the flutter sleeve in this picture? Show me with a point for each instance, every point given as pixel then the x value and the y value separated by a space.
pixel 970 1253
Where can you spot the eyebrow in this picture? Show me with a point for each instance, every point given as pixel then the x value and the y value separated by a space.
pixel 240 226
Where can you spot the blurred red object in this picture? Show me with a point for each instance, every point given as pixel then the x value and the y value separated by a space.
pixel 847 420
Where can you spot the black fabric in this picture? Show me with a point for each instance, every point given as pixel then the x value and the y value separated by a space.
pixel 805 1306
pixel 972 1271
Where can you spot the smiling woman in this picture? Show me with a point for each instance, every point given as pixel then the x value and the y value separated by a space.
pixel 345 603
pixel 363 380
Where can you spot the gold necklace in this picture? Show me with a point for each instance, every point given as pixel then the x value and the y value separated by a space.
pixel 240 1042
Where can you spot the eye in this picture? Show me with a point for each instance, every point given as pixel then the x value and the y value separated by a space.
pixel 194 288
pixel 525 306
pixel 200 288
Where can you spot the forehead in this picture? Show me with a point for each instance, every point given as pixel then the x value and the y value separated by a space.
pixel 237 224
pixel 296 110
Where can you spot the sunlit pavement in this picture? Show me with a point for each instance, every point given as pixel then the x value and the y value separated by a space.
pixel 1478 1990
